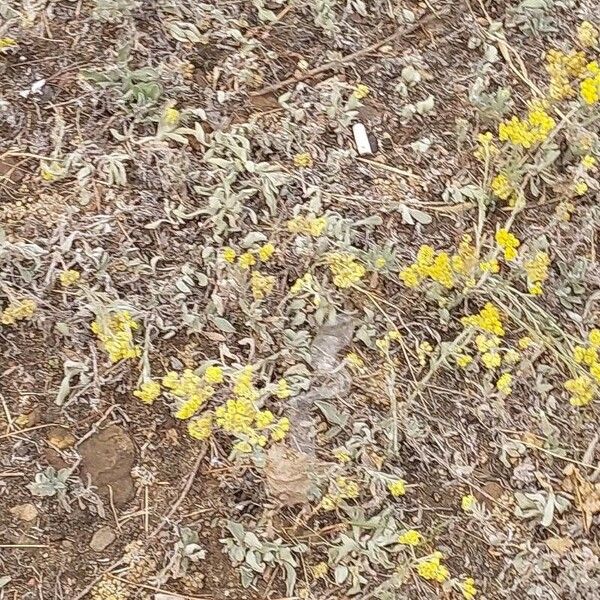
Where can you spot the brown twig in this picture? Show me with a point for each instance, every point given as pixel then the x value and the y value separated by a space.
pixel 350 57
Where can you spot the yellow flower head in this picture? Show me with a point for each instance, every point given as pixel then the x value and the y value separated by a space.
pixel 148 392
pixel 464 360
pixel 283 390
pixel 411 537
pixel 229 255
pixel 582 390
pixel 264 418
pixel 279 431
pixel 171 116
pixel 581 188
pixel 18 310
pixel 488 320
pixel 69 277
pixel 508 242
pixel 262 285
pixel 361 91
pixel 397 488
pixel 503 385
pixel 266 252
pixel 355 361
pixel 201 428
pixel 313 226
pixel 468 588
pixel 213 374
pixel 587 33
pixel 303 160
pixel 594 338
pixel 345 269
pixel 246 260
pixel 432 569
pixel 588 162
pixel 116 335
pixel 468 502
pixel 491 360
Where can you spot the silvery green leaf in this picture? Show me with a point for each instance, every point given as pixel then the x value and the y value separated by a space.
pixel 247 577
pixel 253 562
pixel 237 531
pixel 332 415
pixel 4 580
pixel 341 574
pixel 251 540
pixel 223 324
pixel 290 579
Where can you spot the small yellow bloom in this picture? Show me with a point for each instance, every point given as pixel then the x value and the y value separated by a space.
pixel 464 360
pixel 262 285
pixel 264 418
pixel 411 537
pixel 594 338
pixel 148 392
pixel 468 588
pixel 69 277
pixel 342 456
pixel 283 390
pixel 397 488
pixel 490 266
pixel 229 255
pixel 246 260
pixel 201 428
pixel 588 162
pixel 468 502
pixel 171 116
pixel 7 42
pixel 354 360
pixel 303 160
pixel 380 262
pixel 431 568
pixel 320 570
pixel 524 342
pixel 508 242
pixel 361 91
pixel 503 385
pixel 266 252
pixel 491 360
pixel 280 429
pixel 487 320
pixel 581 188
pixel 587 33
pixel 213 374
pixel 346 270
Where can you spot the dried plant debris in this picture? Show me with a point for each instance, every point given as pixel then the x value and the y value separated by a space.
pixel 299 299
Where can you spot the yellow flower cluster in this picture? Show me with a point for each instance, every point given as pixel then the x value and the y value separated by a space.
pixel 527 132
pixel 200 428
pixel 441 267
pixel 213 374
pixel 355 361
pixel 584 388
pixel 313 226
pixel 240 416
pixel 488 319
pixel 346 270
pixel 486 148
pixel 18 310
pixel 303 160
pixel 504 383
pixel 190 389
pixel 110 589
pixel 588 162
pixel 69 277
pixel 397 488
pixel 116 335
pixel 588 34
pixel 148 392
pixel 423 351
pixel 411 537
pixel 581 188
pixel 7 42
pixel 303 283
pixel 590 86
pixel 432 569
pixel 171 116
pixel 503 188
pixel 537 272
pixel 248 258
pixel 345 489
pixel 468 502
pixel 469 591
pixel 563 68
pixel 283 390
pixel 261 285
pixel 508 242
pixel 361 91
pixel 320 570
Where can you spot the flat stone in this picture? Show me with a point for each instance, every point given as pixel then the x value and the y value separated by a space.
pixel 108 457
pixel 25 512
pixel 102 539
